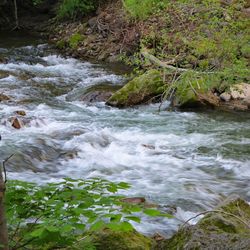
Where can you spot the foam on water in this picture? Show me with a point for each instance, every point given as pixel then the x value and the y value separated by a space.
pixel 187 160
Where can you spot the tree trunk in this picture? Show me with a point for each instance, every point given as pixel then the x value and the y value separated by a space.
pixel 16 15
pixel 3 225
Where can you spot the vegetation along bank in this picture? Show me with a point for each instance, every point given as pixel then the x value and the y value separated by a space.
pixel 194 54
pixel 199 48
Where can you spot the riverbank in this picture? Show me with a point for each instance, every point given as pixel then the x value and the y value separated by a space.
pixel 200 49
pixel 185 162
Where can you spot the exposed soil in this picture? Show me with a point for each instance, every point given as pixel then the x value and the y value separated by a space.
pixel 106 35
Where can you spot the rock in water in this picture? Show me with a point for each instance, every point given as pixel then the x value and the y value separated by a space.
pixel 139 90
pixel 228 228
pixel 16 123
pixel 20 112
pixel 96 93
pixel 4 97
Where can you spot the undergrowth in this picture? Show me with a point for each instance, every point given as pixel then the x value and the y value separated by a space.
pixel 60 215
pixel 205 36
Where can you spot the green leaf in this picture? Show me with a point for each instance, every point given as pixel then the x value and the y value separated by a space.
pixel 123 185
pixel 97 226
pixel 80 226
pixel 170 216
pixel 126 226
pixel 66 228
pixel 133 218
pixel 37 233
pixel 52 229
pixel 152 212
pixel 135 209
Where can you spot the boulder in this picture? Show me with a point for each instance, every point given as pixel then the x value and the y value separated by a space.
pixel 97 93
pixel 139 90
pixel 114 240
pixel 16 123
pixel 240 91
pixel 227 228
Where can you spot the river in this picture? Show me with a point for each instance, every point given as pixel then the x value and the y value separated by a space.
pixel 186 160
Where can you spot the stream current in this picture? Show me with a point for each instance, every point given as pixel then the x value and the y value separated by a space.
pixel 185 160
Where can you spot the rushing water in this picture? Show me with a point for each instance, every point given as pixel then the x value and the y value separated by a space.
pixel 186 160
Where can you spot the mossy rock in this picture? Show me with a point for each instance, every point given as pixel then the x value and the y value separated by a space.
pixel 225 230
pixel 139 90
pixel 110 240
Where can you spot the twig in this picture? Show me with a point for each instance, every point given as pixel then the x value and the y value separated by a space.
pixel 4 168
pixel 193 88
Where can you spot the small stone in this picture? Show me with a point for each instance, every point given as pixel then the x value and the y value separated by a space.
pixel 148 146
pixel 4 97
pixel 16 123
pixel 20 112
pixel 226 97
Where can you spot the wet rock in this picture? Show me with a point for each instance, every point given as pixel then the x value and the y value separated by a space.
pixel 4 97
pixel 113 240
pixel 226 97
pixel 148 146
pixel 139 90
pixel 227 228
pixel 97 93
pixel 20 121
pixel 236 99
pixel 16 123
pixel 20 112
pixel 134 200
pixel 2 73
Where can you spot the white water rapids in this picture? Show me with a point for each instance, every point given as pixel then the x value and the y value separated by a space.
pixel 186 160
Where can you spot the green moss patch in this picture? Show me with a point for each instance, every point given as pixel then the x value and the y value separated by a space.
pixel 111 240
pixel 139 90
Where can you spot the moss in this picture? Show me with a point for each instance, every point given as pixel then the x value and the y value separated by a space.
pixel 111 240
pixel 216 229
pixel 75 39
pixel 138 90
pixel 230 221
pixel 61 44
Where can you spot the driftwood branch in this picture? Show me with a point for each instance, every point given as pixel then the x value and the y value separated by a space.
pixel 167 65
pixel 159 63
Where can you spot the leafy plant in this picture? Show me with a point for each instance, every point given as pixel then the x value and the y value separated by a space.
pixel 75 39
pixel 73 8
pixel 142 9
pixel 58 214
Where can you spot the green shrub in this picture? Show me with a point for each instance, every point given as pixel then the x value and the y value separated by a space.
pixel 57 215
pixel 74 8
pixel 141 9
pixel 75 39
